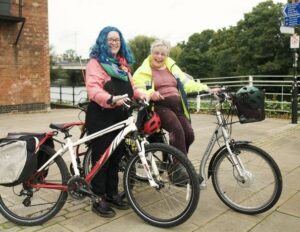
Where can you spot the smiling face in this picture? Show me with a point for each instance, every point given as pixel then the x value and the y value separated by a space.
pixel 158 57
pixel 114 42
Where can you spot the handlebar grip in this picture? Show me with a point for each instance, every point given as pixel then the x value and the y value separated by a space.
pixel 119 97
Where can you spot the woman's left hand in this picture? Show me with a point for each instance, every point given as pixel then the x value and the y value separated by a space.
pixel 145 97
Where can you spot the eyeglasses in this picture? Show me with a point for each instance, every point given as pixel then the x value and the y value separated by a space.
pixel 111 40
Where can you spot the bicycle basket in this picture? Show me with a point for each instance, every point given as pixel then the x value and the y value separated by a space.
pixel 249 103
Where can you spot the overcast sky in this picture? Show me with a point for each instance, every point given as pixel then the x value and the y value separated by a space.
pixel 75 24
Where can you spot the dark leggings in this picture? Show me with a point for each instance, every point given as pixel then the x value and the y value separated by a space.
pixel 105 181
pixel 173 120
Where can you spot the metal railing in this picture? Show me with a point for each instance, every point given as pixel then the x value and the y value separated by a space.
pixel 68 95
pixel 277 90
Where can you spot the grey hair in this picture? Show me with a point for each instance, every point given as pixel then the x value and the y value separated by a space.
pixel 160 43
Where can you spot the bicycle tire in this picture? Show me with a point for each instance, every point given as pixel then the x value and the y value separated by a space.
pixel 172 203
pixel 87 161
pixel 42 207
pixel 259 192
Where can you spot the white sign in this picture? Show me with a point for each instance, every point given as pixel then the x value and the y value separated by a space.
pixel 287 30
pixel 294 41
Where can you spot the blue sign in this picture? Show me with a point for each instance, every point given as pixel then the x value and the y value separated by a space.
pixel 292 20
pixel 291 14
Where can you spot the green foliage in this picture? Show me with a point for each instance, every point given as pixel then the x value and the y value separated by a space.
pixel 63 77
pixel 276 109
pixel 140 46
pixel 175 53
pixel 254 47
pixel 262 48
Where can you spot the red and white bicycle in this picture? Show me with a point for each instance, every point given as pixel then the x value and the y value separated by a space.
pixel 161 199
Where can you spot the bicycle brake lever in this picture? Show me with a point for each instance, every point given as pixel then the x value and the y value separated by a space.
pixel 126 103
pixel 119 97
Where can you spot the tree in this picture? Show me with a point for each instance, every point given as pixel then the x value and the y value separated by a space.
pixel 140 46
pixel 262 49
pixel 70 55
pixel 194 57
pixel 61 76
pixel 253 47
pixel 175 53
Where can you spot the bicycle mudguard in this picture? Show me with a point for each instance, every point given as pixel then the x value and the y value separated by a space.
pixel 217 153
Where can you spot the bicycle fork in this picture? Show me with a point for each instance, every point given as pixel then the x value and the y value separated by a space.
pixel 141 153
pixel 233 157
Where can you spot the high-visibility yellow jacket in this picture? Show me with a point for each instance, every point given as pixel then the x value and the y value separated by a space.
pixel 142 78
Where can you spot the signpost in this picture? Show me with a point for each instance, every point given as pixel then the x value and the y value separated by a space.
pixel 291 13
pixel 295 45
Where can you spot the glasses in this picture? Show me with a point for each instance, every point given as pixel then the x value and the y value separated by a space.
pixel 111 40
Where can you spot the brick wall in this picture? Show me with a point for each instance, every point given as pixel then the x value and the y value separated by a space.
pixel 24 68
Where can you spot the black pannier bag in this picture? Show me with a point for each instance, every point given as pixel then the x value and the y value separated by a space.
pixel 249 102
pixel 18 160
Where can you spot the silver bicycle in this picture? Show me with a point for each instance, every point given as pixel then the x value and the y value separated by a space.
pixel 245 177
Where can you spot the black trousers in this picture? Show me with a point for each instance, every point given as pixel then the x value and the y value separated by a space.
pixel 173 120
pixel 105 181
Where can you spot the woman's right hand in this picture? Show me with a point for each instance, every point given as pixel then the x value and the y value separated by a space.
pixel 155 96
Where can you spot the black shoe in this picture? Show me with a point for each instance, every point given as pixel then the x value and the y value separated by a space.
pixel 103 209
pixel 179 176
pixel 117 202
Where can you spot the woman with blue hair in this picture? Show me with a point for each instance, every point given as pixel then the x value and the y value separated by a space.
pixel 108 75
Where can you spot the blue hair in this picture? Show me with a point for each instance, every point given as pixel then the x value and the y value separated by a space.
pixel 101 51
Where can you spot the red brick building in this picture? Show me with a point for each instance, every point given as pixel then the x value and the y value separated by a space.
pixel 24 56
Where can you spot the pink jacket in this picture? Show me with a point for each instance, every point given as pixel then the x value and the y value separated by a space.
pixel 95 80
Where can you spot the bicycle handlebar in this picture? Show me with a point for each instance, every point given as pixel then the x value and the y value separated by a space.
pixel 119 97
pixel 83 105
pixel 221 96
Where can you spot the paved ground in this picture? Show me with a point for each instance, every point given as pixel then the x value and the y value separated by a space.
pixel 280 138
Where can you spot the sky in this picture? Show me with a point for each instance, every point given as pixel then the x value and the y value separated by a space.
pixel 75 24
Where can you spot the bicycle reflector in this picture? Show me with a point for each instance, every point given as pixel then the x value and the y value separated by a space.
pixel 250 104
pixel 152 124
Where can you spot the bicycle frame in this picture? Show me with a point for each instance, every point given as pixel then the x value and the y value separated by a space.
pixel 221 128
pixel 127 127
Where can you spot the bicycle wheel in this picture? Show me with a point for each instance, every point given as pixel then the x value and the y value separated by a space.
pixel 87 161
pixel 175 199
pixel 29 206
pixel 261 188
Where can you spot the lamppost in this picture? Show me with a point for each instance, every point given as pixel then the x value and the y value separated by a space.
pixel 295 89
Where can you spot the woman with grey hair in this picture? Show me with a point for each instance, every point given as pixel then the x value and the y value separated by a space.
pixel 166 85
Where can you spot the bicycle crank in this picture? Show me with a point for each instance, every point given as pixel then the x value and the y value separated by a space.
pixel 78 188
